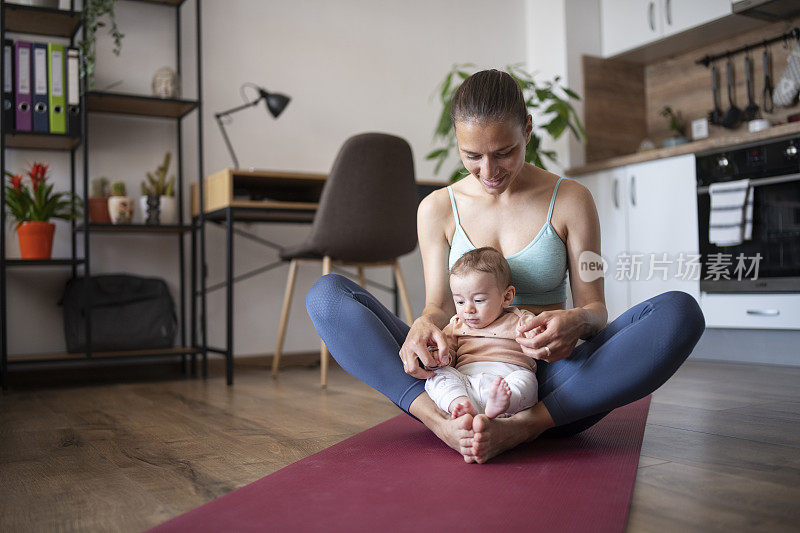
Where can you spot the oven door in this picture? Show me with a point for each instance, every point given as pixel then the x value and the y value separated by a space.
pixel 776 239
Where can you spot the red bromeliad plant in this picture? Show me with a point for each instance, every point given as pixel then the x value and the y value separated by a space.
pixel 38 202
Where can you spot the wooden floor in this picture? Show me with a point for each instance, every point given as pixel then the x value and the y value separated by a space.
pixel 721 450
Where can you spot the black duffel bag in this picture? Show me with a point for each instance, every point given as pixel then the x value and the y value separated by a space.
pixel 128 313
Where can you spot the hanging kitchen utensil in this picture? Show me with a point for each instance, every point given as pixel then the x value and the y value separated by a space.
pixel 751 111
pixel 788 85
pixel 715 115
pixel 733 116
pixel 768 106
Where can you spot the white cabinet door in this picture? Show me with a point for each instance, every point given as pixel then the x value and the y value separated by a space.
pixel 680 15
pixel 662 226
pixel 627 24
pixel 608 189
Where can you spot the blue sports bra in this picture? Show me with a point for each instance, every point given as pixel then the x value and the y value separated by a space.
pixel 538 271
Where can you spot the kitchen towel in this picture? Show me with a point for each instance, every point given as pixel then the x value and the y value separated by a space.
pixel 731 220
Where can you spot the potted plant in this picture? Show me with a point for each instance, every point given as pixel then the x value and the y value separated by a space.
pixel 120 207
pixel 158 195
pixel 33 206
pixel 98 201
pixel 538 96
pixel 677 125
pixel 92 13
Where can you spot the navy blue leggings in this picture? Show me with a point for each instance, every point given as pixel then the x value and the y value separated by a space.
pixel 627 360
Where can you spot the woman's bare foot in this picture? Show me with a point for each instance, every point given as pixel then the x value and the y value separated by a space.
pixel 455 432
pixel 499 398
pixel 495 435
pixel 461 406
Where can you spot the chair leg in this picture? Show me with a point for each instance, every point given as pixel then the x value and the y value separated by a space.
pixel 401 287
pixel 361 280
pixel 287 304
pixel 323 355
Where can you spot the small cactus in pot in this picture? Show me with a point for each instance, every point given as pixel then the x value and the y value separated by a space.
pixel 100 188
pixel 120 207
pixel 98 201
pixel 158 195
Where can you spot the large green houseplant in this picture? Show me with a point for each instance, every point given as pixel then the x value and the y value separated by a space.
pixel 545 97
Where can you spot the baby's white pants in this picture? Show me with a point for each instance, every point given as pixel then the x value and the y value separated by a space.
pixel 474 380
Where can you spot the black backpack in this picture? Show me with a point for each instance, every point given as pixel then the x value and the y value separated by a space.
pixel 128 313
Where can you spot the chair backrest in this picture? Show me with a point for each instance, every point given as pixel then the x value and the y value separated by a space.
pixel 367 211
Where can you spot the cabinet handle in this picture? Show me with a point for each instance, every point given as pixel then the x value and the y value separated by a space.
pixel 616 193
pixel 633 191
pixel 764 312
pixel 650 15
pixel 668 11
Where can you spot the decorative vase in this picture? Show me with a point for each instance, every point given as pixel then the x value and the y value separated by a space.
pixel 120 209
pixel 674 141
pixel 168 209
pixel 165 83
pixel 36 239
pixel 98 211
pixel 153 209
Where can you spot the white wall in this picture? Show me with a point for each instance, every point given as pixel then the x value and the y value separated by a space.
pixel 349 65
pixel 560 32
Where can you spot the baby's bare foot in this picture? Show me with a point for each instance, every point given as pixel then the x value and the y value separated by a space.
pixel 499 398
pixel 462 406
pixel 493 436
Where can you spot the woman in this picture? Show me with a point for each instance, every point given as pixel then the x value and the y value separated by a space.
pixel 501 204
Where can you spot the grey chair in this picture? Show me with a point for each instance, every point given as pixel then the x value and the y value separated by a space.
pixel 366 217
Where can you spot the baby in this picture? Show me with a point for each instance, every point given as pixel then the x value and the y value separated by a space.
pixel 489 374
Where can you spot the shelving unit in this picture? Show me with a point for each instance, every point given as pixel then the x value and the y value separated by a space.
pixel 41 21
pixel 131 104
pixel 40 141
pixel 42 262
pixel 65 24
pixel 136 228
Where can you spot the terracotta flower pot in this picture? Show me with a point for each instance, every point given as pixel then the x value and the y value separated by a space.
pixel 36 239
pixel 98 211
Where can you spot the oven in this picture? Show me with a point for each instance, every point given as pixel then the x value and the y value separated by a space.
pixel 768 261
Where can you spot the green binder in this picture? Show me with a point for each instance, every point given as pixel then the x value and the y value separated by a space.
pixel 56 100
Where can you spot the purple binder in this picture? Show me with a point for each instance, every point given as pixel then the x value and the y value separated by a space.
pixel 22 95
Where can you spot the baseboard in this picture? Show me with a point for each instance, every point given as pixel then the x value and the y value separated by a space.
pixel 288 360
pixel 774 347
pixel 82 372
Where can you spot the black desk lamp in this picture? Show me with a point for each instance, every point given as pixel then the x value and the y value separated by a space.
pixel 275 102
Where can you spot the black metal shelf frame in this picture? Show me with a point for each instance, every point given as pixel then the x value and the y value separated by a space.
pixel 62 19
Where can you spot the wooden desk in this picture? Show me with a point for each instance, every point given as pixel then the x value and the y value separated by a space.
pixel 233 195
pixel 268 195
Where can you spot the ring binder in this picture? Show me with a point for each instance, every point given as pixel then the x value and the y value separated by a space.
pixel 41 121
pixel 56 100
pixel 23 118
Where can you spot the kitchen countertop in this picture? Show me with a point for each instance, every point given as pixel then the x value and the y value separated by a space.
pixel 702 145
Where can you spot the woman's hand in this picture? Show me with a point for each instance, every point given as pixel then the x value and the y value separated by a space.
pixel 551 335
pixel 424 334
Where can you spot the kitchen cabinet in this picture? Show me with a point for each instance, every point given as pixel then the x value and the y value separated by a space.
pixel 681 15
pixel 648 220
pixel 662 221
pixel 605 187
pixel 629 24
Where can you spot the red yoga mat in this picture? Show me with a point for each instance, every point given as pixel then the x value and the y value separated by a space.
pixel 397 476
